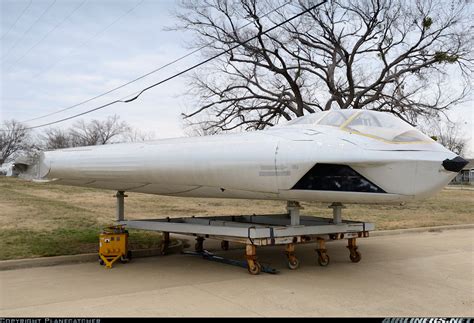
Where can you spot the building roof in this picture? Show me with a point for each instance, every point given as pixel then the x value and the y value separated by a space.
pixel 470 165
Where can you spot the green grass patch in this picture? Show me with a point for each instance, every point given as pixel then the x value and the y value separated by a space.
pixel 31 243
pixel 17 244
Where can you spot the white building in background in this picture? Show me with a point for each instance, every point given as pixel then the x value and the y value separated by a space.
pixel 466 175
pixel 6 169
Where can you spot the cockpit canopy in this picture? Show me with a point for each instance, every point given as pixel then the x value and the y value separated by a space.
pixel 372 124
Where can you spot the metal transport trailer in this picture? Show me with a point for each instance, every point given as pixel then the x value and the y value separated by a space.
pixel 288 229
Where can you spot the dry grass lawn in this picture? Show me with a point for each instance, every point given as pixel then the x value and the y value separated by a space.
pixel 45 219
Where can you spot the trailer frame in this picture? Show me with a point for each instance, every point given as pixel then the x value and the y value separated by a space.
pixel 287 229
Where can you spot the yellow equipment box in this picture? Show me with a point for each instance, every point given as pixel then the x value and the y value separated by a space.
pixel 113 245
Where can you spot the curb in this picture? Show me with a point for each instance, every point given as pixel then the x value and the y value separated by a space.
pixel 177 245
pixel 460 187
pixel 420 230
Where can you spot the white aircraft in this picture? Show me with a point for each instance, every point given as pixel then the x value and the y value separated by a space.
pixel 346 156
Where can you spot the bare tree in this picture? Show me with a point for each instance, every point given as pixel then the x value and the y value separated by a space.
pixel 255 84
pixel 95 132
pixel 98 132
pixel 14 139
pixel 199 128
pixel 55 138
pixel 372 54
pixel 136 135
pixel 448 134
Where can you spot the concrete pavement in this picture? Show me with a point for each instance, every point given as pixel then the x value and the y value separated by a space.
pixel 415 274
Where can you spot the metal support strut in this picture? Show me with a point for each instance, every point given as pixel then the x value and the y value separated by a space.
pixel 120 205
pixel 210 256
pixel 165 243
pixel 199 246
pixel 337 212
pixel 294 208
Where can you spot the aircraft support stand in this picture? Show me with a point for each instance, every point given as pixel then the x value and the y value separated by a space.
pixel 293 208
pixel 120 205
pixel 337 212
pixel 287 229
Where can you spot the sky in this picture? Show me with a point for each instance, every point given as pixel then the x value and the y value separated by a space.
pixel 57 53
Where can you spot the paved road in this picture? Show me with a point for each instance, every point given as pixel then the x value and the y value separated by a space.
pixel 419 274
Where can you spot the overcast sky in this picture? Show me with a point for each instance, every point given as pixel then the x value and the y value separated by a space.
pixel 55 54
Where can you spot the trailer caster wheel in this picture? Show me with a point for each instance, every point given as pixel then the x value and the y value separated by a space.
pixel 225 245
pixel 355 256
pixel 254 268
pixel 101 262
pixel 323 259
pixel 293 264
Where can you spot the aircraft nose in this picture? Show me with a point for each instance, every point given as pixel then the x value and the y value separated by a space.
pixel 455 164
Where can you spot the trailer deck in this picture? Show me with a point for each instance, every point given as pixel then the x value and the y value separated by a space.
pixel 260 230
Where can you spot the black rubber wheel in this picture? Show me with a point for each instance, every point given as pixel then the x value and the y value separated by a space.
pixel 126 259
pixel 323 260
pixel 101 262
pixel 225 245
pixel 256 269
pixel 293 264
pixel 355 257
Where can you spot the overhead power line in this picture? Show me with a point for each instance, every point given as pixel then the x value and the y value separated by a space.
pixel 142 76
pixel 116 88
pixel 124 100
pixel 17 19
pixel 29 28
pixel 47 34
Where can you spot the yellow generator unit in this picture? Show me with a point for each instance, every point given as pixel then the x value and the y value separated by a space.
pixel 113 245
